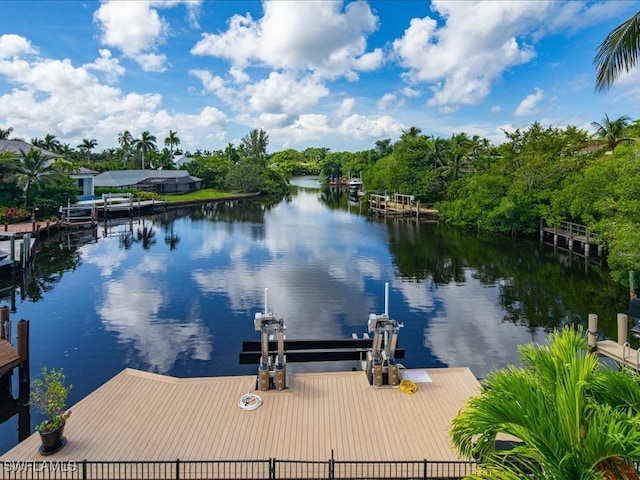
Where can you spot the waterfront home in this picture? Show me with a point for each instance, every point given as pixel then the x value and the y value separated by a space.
pixel 157 181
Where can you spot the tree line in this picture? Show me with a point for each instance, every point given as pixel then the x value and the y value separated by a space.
pixel 540 172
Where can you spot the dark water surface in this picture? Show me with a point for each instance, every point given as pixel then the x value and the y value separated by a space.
pixel 176 293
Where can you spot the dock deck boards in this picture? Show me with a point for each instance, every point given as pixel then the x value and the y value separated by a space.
pixel 9 358
pixel 621 354
pixel 144 416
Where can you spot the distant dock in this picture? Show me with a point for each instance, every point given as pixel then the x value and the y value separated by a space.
pixel 574 237
pixel 86 213
pixel 400 205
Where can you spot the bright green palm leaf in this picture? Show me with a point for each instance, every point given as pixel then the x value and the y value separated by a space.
pixel 618 52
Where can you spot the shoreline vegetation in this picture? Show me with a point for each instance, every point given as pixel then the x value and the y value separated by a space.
pixel 540 173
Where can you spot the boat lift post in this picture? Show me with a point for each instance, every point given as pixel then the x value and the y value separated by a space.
pixel 381 357
pixel 267 324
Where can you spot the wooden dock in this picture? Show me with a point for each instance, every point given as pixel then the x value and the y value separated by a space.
pixel 623 354
pixel 144 416
pixel 571 235
pixel 9 358
pixel 400 205
pixel 19 248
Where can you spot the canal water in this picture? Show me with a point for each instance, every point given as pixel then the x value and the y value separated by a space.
pixel 176 293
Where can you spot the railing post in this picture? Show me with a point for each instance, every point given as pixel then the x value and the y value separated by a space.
pixel 424 469
pixel 177 469
pixel 84 469
pixel 332 467
pixel 272 468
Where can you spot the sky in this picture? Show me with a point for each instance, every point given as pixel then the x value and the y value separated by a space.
pixel 339 75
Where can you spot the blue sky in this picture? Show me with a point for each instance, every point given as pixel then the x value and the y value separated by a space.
pixel 310 73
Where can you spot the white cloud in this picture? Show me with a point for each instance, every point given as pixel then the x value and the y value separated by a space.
pixel 346 107
pixel 529 105
pixel 360 126
pixel 108 65
pixel 387 100
pixel 12 45
pixel 465 56
pixel 495 109
pixel 299 36
pixel 137 29
pixel 55 97
pixel 209 82
pixel 282 93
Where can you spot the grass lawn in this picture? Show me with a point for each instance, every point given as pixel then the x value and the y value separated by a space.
pixel 204 194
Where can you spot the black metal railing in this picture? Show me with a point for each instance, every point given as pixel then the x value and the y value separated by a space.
pixel 272 469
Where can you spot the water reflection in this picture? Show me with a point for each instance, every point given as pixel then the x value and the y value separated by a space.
pixel 183 306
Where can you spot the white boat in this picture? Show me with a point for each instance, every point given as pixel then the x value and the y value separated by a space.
pixel 355 184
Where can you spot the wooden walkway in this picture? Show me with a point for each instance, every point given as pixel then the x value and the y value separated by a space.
pixel 402 205
pixel 144 416
pixel 9 358
pixel 570 234
pixel 622 354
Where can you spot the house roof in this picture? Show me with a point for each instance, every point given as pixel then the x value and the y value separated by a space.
pixel 126 178
pixel 83 172
pixel 179 160
pixel 15 146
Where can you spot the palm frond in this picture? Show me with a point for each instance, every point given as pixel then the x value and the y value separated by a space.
pixel 617 53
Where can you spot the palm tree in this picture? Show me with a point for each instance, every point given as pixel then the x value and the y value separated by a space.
pixel 5 133
pixel 32 168
pixel 575 419
pixel 411 132
pixel 617 53
pixel 383 147
pixel 87 145
pixel 172 141
pixel 51 143
pixel 255 144
pixel 126 141
pixel 145 143
pixel 611 131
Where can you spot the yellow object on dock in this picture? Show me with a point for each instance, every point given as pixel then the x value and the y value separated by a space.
pixel 408 386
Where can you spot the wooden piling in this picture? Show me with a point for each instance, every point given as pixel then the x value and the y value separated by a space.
pixel 23 351
pixel 23 340
pixel 4 324
pixel 622 328
pixel 593 331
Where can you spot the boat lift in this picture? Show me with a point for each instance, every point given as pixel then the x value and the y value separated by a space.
pixel 380 363
pixel 268 325
pixel 376 353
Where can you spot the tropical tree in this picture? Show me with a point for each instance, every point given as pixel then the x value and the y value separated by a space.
pixel 573 418
pixel 617 53
pixel 126 141
pixel 612 131
pixel 254 145
pixel 145 143
pixel 32 168
pixel 383 147
pixel 411 132
pixel 87 145
pixel 51 143
pixel 5 133
pixel 172 141
pixel 231 153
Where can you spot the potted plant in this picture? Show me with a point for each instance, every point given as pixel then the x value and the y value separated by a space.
pixel 49 396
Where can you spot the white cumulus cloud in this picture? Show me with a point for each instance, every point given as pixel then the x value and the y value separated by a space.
pixel 529 105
